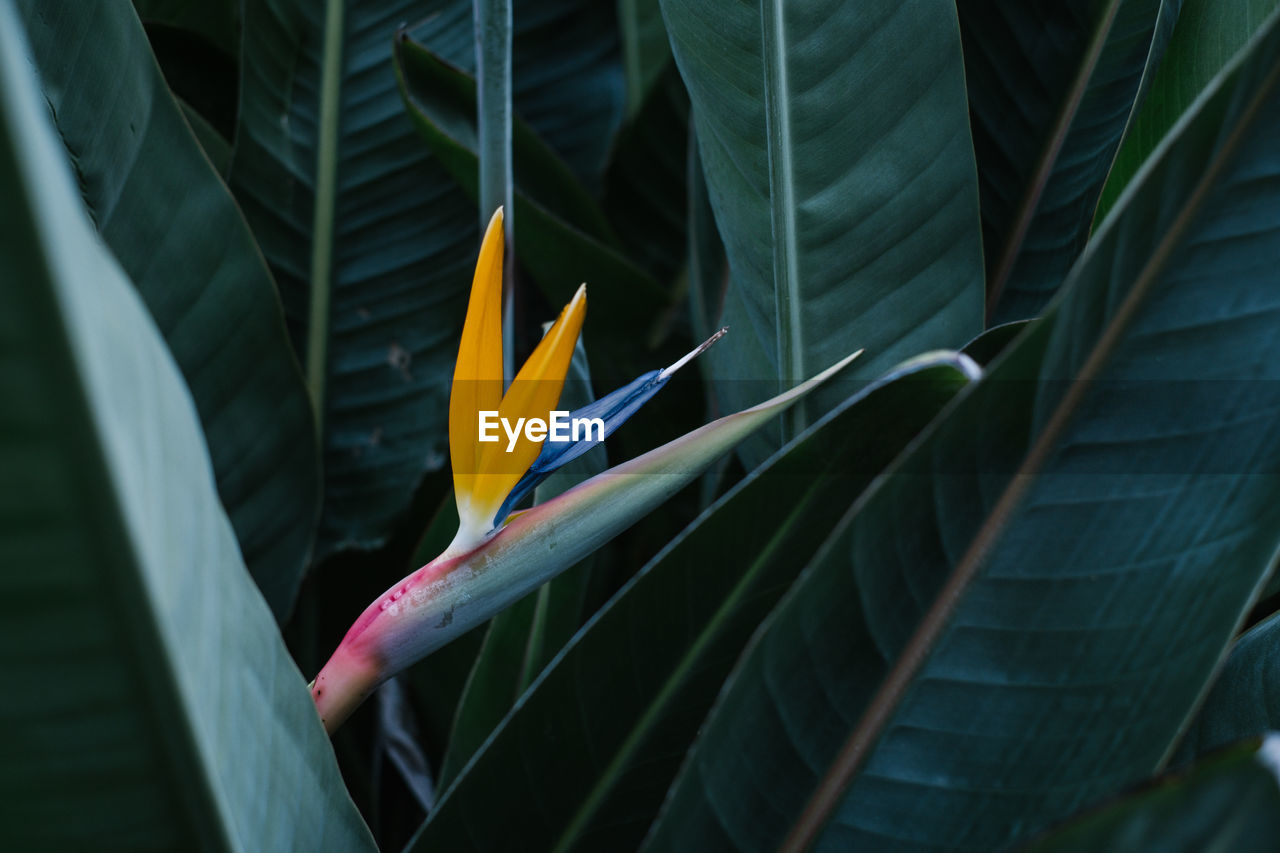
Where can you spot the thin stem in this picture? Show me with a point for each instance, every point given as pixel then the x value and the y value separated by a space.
pixel 322 218
pixel 493 25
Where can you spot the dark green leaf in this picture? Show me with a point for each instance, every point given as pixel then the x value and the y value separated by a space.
pixel 645 48
pixel 175 229
pixel 994 637
pixel 216 21
pixel 1229 801
pixel 149 702
pixel 708 267
pixel 985 347
pixel 199 74
pixel 1052 86
pixel 368 240
pixel 645 186
pixel 843 185
pixel 1245 699
pixel 1207 36
pixel 584 758
pixel 213 143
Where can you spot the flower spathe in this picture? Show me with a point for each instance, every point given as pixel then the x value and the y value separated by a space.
pixel 484 473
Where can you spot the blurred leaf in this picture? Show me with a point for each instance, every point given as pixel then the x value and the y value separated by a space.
pixel 213 143
pixel 985 347
pixel 1208 34
pixel 569 82
pixel 708 267
pixel 1245 699
pixel 1019 617
pixel 587 753
pixel 645 186
pixel 561 235
pixel 645 48
pixel 1052 86
pixel 175 229
pixel 149 702
pixel 843 185
pixel 199 74
pixel 368 240
pixel 216 21
pixel 1229 801
pixel 524 637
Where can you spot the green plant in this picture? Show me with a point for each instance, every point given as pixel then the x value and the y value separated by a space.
pixel 963 592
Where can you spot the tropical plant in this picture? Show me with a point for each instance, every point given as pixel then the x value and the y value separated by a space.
pixel 961 537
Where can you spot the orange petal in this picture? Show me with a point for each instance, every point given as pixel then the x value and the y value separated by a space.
pixel 477 377
pixel 533 394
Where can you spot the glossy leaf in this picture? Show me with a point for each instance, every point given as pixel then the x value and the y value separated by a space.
pixel 149 702
pixel 1245 699
pixel 1208 34
pixel 611 716
pixel 1229 801
pixel 842 182
pixel 1052 87
pixel 175 229
pixel 1018 618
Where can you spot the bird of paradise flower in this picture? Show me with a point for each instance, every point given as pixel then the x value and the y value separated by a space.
pixel 499 556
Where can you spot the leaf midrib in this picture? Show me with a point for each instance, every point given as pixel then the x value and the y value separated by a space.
pixel 860 743
pixel 322 224
pixel 789 332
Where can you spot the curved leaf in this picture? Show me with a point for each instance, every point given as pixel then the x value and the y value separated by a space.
pixel 149 702
pixel 1229 801
pixel 842 181
pixel 1020 616
pixel 1208 34
pixel 1052 87
pixel 1245 699
pixel 175 229
pixel 615 710
pixel 985 347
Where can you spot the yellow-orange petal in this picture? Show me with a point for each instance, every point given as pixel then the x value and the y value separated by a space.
pixel 533 394
pixel 477 376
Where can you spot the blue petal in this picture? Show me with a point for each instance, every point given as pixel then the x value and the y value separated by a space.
pixel 613 408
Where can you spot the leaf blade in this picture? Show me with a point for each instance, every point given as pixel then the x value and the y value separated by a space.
pixel 173 225
pixel 135 583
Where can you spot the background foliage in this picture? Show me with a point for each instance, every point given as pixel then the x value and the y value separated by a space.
pixel 973 595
